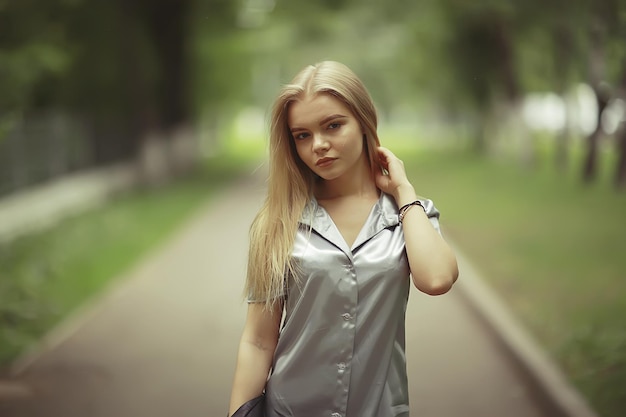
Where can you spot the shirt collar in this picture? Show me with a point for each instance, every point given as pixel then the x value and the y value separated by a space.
pixel 384 214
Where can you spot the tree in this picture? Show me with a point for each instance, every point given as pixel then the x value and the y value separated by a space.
pixel 620 136
pixel 605 31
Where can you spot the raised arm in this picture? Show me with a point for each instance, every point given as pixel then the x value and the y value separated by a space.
pixel 433 264
pixel 256 350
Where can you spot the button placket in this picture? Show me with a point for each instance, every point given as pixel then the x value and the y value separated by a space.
pixel 349 289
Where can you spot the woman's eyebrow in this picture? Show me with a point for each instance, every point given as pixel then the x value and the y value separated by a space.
pixel 322 122
pixel 331 117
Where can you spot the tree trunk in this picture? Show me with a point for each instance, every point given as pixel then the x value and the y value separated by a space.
pixel 168 25
pixel 590 167
pixel 597 72
pixel 620 136
pixel 562 38
pixel 511 125
pixel 507 70
pixel 620 172
pixel 142 118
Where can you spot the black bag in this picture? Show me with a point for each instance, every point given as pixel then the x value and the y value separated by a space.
pixel 253 408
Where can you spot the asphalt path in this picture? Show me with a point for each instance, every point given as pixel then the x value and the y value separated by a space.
pixel 162 339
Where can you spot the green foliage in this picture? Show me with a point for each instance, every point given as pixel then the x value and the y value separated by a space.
pixel 106 58
pixel 117 62
pixel 223 72
pixel 33 51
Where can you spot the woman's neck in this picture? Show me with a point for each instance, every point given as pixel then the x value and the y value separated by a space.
pixel 353 184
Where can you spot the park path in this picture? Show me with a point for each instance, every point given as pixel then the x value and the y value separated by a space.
pixel 162 340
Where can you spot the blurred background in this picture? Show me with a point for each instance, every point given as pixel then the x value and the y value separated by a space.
pixel 118 119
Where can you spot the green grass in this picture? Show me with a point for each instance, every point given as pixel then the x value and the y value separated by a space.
pixel 47 275
pixel 552 247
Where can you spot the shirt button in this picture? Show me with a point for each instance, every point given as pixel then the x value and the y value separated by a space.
pixel 341 365
pixel 346 316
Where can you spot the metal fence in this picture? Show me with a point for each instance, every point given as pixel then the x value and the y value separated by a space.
pixel 37 148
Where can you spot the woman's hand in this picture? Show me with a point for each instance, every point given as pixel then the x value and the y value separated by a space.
pixel 256 350
pixel 394 181
pixel 432 262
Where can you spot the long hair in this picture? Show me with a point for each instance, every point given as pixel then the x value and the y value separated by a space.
pixel 291 182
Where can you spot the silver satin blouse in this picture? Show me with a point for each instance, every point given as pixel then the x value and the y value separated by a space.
pixel 341 347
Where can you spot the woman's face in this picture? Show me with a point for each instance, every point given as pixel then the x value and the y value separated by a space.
pixel 327 135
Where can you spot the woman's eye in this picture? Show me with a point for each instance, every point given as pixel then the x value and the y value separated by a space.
pixel 301 136
pixel 334 125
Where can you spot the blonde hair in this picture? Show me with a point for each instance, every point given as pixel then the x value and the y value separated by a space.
pixel 290 182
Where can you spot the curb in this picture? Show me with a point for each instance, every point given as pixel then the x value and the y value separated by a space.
pixel 551 385
pixel 41 206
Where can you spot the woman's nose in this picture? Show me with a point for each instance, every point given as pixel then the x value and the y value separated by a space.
pixel 320 143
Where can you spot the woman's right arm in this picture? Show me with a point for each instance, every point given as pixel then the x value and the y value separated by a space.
pixel 256 351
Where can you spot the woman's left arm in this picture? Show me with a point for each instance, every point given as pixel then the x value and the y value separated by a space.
pixel 433 264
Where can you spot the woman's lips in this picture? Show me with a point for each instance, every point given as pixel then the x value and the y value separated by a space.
pixel 324 162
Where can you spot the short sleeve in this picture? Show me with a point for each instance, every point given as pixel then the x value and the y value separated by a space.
pixel 432 213
pixel 252 299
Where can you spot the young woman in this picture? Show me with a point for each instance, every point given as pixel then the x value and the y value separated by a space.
pixel 333 250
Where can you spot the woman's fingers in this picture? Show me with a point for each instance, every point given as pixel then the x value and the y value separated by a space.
pixel 385 154
pixel 394 167
pixel 387 158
